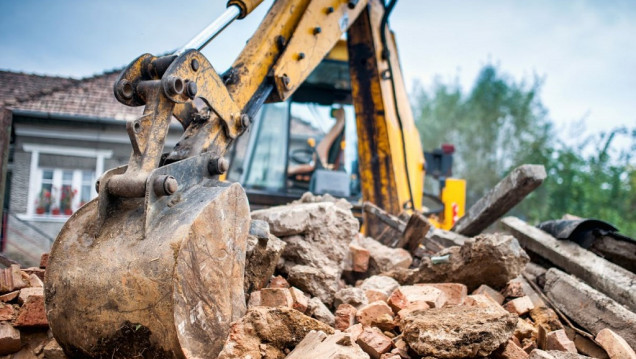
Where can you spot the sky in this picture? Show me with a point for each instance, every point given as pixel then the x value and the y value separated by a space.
pixel 584 51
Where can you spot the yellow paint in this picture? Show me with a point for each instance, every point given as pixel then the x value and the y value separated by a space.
pixel 454 199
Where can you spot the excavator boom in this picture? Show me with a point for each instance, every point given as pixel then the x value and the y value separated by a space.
pixel 161 252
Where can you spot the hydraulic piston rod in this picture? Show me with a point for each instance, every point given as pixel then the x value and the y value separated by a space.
pixel 206 35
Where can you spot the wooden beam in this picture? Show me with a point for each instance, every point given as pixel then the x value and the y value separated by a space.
pixel 607 277
pixel 499 200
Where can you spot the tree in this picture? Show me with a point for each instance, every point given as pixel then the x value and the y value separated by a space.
pixel 501 124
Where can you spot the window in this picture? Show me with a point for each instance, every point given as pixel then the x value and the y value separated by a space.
pixel 61 180
pixel 63 191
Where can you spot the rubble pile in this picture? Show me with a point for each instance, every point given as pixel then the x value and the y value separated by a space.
pixel 380 301
pixel 317 288
pixel 24 329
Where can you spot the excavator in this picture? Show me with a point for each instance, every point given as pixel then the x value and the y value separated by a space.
pixel 157 260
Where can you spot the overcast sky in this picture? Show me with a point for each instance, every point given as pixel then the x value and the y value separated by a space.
pixel 585 50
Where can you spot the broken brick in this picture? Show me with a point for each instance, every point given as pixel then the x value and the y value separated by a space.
pixel 455 292
pixel 510 350
pixel 375 295
pixel 615 345
pixel 9 339
pixel 359 258
pixel 354 331
pixel 345 316
pixel 278 282
pixel 44 260
pixel 483 301
pixel 300 302
pixel 405 295
pixel 32 313
pixel 376 314
pixel 7 312
pixel 519 306
pixel 276 297
pixel 488 291
pixel 11 279
pixel 374 343
pixel 558 340
pixel 25 293
pixel 9 296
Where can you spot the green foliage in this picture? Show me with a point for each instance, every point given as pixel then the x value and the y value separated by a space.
pixel 501 124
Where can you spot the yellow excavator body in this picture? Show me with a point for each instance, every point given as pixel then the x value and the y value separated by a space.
pixel 158 258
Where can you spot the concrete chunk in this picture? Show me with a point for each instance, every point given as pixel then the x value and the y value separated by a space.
pixel 491 259
pixel 457 332
pixel 588 307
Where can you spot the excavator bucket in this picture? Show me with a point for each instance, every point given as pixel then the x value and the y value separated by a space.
pixel 157 277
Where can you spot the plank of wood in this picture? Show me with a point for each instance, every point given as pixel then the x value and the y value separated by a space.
pixel 415 232
pixel 607 277
pixel 622 253
pixel 499 200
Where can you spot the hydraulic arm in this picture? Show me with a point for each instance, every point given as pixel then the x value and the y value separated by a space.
pixel 162 248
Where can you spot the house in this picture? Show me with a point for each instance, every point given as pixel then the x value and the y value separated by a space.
pixel 57 136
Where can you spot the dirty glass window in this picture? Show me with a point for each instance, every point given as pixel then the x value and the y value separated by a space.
pixel 264 166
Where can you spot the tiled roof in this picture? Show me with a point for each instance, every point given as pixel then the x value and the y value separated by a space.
pixel 91 96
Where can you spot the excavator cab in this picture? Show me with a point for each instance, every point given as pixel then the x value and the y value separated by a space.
pixel 307 143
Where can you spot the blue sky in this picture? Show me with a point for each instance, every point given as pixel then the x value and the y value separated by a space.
pixel 585 50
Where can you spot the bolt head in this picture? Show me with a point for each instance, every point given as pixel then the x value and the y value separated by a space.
pixel 195 65
pixel 191 89
pixel 245 120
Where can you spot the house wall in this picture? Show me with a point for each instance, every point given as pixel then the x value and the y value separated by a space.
pixel 23 241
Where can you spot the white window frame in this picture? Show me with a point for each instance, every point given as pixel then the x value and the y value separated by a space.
pixel 35 174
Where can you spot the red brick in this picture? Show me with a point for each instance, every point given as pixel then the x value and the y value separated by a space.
pixel 278 282
pixel 44 260
pixel 376 314
pixel 9 296
pixel 354 331
pixel 276 297
pixel 35 281
pixel 345 316
pixel 255 299
pixel 374 343
pixel 558 340
pixel 9 339
pixel 510 350
pixel 405 295
pixel 615 346
pixel 412 307
pixel 300 302
pixel 519 306
pixel 375 295
pixel 482 301
pixel 32 313
pixel 11 279
pixel 359 258
pixel 493 294
pixel 25 293
pixel 455 292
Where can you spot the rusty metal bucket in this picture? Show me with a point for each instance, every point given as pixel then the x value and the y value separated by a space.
pixel 153 277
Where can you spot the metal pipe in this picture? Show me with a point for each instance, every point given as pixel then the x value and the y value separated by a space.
pixel 206 35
